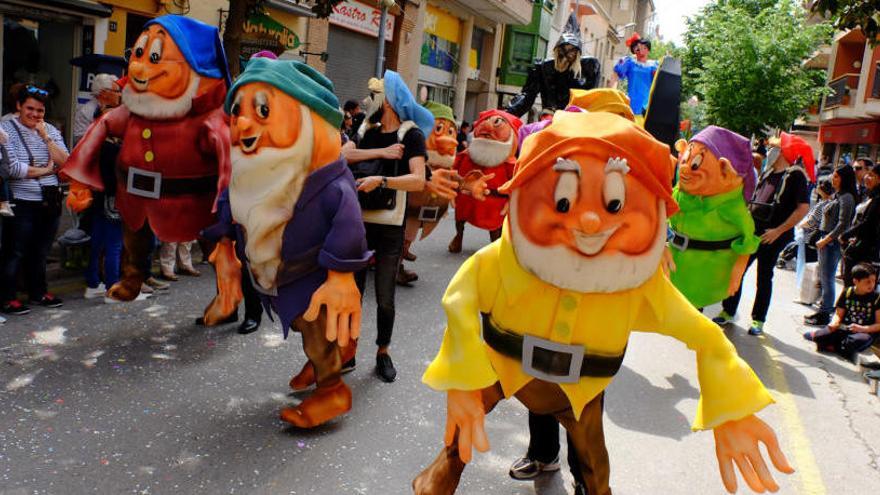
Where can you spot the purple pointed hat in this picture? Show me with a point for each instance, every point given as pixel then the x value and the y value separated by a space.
pixel 724 143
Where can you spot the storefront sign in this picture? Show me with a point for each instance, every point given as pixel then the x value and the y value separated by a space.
pixel 860 133
pixel 361 18
pixel 260 27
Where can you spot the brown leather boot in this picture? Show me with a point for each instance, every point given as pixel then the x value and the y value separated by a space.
pixel 407 254
pixel 322 406
pixel 455 243
pixel 306 376
pixel 406 277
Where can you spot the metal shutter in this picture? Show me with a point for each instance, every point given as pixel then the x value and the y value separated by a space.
pixel 351 63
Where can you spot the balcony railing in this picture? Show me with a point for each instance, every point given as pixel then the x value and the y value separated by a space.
pixel 840 91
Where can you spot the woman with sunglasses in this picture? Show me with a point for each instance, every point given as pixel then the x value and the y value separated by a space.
pixel 36 151
pixel 862 241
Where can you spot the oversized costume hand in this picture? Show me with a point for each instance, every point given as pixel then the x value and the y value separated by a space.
pixel 736 274
pixel 465 413
pixel 737 442
pixel 80 197
pixel 446 183
pixel 340 295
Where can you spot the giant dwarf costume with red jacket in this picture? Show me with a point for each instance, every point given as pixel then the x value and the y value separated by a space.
pixel 486 214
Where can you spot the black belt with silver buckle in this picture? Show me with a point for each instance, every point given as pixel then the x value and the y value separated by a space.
pixel 683 243
pixel 153 185
pixel 548 360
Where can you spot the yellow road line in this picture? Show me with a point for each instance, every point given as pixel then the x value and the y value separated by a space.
pixel 801 454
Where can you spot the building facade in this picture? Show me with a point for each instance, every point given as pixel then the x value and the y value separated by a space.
pixel 850 116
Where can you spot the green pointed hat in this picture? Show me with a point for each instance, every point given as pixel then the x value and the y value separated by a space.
pixel 440 111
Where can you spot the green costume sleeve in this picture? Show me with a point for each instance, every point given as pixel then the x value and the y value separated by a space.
pixel 736 213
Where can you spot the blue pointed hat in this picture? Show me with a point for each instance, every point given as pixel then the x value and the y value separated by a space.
pixel 199 43
pixel 404 104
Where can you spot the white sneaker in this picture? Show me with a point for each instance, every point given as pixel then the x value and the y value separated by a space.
pixel 6 209
pixel 2 320
pixel 98 291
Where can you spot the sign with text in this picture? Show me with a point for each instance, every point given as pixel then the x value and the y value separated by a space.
pixel 361 18
pixel 260 27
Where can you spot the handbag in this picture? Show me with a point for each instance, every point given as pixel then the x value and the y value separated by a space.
pixel 383 205
pixel 53 196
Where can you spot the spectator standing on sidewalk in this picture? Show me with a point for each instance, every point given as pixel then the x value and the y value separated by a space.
pixel 5 208
pixel 36 151
pixel 176 257
pixel 836 219
pixel 780 201
pixel 862 241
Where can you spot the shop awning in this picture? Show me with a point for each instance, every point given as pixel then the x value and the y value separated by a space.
pixel 79 6
pixel 291 7
pixel 866 132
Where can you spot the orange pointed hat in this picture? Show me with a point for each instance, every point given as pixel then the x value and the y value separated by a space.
pixel 604 135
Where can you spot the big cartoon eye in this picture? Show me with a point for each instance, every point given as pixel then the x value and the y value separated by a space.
pixel 497 121
pixel 566 191
pixel 261 104
pixel 698 160
pixel 614 192
pixel 156 50
pixel 236 106
pixel 439 128
pixel 139 46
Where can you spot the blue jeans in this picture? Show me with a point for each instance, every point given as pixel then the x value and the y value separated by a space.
pixel 106 239
pixel 27 238
pixel 829 257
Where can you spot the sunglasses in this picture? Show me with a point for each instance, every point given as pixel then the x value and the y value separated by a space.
pixel 858 167
pixel 33 90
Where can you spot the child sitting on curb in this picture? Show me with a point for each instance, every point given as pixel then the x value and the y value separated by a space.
pixel 856 320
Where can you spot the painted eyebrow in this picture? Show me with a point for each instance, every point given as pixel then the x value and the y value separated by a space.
pixel 566 165
pixel 616 165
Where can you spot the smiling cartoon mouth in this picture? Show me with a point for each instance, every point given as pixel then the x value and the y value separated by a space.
pixel 141 84
pixel 591 244
pixel 249 144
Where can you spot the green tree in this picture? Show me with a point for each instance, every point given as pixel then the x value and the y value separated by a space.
pixel 750 73
pixel 849 14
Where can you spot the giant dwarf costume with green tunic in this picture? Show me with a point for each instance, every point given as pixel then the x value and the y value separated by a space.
pixel 711 232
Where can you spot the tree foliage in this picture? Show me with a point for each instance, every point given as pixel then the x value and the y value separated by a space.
pixel 849 14
pixel 744 61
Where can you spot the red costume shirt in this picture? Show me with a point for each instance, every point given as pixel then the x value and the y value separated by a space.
pixel 194 148
pixel 484 214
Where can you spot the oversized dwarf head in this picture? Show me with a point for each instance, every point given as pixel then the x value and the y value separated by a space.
pixel 495 138
pixel 284 125
pixel 442 142
pixel 790 149
pixel 589 203
pixel 391 94
pixel 716 161
pixel 175 60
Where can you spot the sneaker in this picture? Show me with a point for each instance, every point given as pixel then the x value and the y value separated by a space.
pixel 6 209
pixel 526 469
pixel 348 366
pixel 146 289
pixel 157 284
pixel 2 320
pixel 810 335
pixel 723 318
pixel 385 368
pixel 15 307
pixel 818 319
pixel 757 328
pixel 140 297
pixel 50 301
pixel 92 293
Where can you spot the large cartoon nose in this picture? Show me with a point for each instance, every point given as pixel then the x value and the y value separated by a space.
pixel 590 222
pixel 137 70
pixel 243 124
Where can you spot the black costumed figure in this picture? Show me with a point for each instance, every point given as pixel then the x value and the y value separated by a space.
pixel 553 78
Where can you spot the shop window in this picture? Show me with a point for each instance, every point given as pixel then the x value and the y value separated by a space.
pixel 522 54
pixel 437 94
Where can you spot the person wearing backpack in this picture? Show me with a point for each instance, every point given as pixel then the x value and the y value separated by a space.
pixel 780 201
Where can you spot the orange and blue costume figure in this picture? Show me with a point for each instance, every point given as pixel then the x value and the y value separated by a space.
pixel 174 157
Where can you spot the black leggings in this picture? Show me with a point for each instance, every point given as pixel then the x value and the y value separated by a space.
pixel 766 257
pixel 387 242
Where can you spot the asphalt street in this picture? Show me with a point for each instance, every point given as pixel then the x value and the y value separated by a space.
pixel 135 398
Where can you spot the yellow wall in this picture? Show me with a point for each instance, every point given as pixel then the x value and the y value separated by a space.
pixel 443 24
pixel 295 23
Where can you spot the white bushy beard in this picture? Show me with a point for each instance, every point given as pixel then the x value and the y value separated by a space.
pixel 152 106
pixel 263 192
pixel 435 159
pixel 490 153
pixel 603 273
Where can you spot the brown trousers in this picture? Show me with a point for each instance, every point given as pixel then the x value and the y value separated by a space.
pixel 323 354
pixel 587 435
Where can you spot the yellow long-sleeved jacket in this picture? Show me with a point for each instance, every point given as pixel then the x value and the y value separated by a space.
pixel 492 281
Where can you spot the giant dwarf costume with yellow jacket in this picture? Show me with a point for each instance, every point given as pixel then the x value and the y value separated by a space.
pixel 492 282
